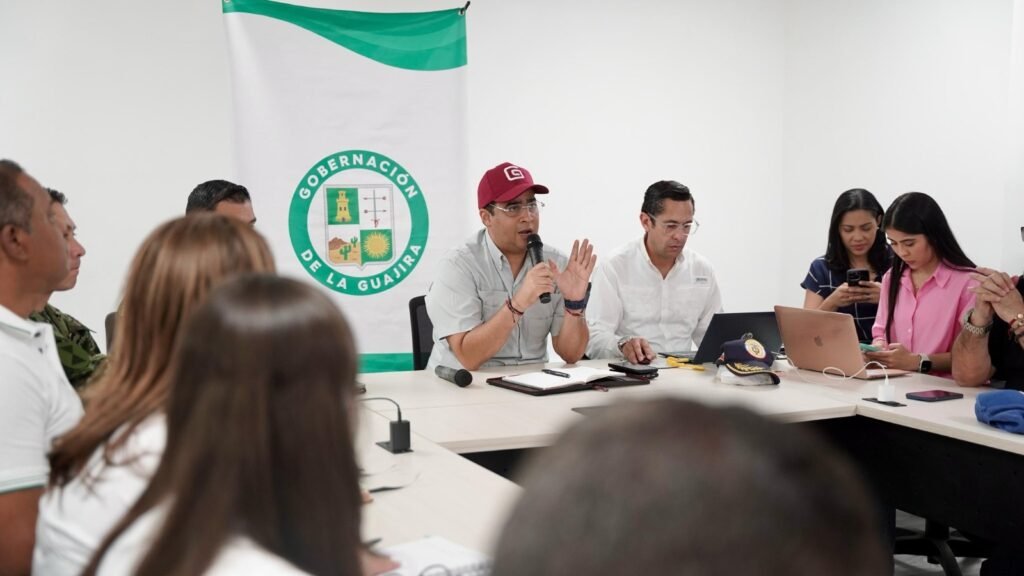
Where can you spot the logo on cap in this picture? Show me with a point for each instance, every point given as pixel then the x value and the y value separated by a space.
pixel 754 348
pixel 514 173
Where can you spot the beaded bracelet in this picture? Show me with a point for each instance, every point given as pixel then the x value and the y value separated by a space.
pixel 1015 321
pixel 516 314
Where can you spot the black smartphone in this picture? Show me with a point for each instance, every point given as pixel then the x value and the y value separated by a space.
pixel 934 395
pixel 634 369
pixel 855 276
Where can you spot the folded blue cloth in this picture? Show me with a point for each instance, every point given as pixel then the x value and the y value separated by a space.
pixel 1003 409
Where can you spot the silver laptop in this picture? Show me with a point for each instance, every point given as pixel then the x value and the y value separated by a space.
pixel 818 340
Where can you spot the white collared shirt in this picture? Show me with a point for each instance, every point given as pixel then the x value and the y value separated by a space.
pixel 37 403
pixel 629 298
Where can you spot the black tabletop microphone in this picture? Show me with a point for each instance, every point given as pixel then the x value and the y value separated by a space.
pixel 460 377
pixel 536 249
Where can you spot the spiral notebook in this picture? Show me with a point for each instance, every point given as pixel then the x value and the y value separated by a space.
pixel 436 556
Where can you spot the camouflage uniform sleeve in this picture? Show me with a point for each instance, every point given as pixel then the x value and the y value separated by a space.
pixel 78 351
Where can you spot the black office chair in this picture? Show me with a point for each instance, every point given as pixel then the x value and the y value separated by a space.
pixel 422 332
pixel 940 545
pixel 108 324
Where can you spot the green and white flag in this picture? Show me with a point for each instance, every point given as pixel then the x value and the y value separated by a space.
pixel 350 135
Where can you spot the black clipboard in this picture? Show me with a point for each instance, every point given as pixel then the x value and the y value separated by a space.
pixel 607 382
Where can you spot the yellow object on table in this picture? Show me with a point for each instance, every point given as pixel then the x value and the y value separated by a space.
pixel 683 363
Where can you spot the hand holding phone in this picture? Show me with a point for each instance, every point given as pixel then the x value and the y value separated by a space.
pixel 855 276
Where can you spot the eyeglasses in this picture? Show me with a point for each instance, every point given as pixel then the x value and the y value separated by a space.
pixel 514 210
pixel 688 229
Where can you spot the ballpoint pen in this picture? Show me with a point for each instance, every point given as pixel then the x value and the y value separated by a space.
pixel 555 373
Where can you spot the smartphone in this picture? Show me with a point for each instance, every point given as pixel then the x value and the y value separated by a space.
pixel 855 276
pixel 934 395
pixel 869 348
pixel 634 369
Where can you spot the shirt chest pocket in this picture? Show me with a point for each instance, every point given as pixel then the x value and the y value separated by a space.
pixel 641 303
pixel 534 327
pixel 492 301
pixel 687 302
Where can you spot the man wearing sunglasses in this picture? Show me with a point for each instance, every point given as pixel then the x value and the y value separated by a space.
pixel 654 294
pixel 486 302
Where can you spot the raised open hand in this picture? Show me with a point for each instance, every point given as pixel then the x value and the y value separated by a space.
pixel 574 279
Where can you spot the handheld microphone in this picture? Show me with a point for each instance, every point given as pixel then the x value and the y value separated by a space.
pixel 536 249
pixel 460 377
pixel 400 434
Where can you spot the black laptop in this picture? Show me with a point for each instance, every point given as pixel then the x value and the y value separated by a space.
pixel 726 326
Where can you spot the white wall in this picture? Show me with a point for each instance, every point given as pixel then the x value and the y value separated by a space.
pixel 1013 210
pixel 124 106
pixel 893 97
pixel 766 109
pixel 599 104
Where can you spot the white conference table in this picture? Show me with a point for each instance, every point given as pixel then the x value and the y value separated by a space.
pixel 438 493
pixel 467 503
pixel 481 417
pixel 950 418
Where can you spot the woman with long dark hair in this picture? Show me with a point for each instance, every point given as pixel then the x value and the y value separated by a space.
pixel 925 293
pixel 854 242
pixel 259 473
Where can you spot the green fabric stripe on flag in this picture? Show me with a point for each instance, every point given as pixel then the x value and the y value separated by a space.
pixel 384 363
pixel 410 40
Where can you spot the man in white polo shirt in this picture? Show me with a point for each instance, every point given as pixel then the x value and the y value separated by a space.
pixel 654 294
pixel 37 403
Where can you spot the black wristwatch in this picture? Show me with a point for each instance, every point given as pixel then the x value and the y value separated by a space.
pixel 926 364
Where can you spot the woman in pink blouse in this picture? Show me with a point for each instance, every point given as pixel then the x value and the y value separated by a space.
pixel 926 291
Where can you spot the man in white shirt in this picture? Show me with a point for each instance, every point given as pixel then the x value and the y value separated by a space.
pixel 36 401
pixel 654 294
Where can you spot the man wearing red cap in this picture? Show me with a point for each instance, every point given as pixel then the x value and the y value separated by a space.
pixel 485 303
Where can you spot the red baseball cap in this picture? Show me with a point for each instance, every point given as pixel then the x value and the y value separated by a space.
pixel 505 182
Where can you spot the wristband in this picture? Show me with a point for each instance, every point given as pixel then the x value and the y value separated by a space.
pixel 579 304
